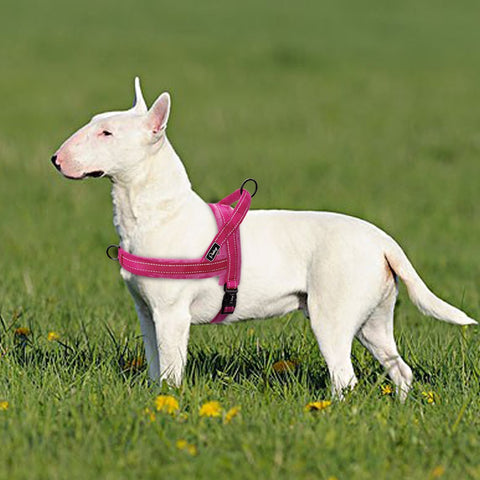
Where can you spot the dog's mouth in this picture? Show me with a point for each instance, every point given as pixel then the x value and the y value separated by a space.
pixel 94 174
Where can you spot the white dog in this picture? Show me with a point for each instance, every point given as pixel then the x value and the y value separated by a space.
pixel 341 271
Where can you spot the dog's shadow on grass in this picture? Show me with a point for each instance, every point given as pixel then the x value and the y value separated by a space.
pixel 246 369
pixel 214 368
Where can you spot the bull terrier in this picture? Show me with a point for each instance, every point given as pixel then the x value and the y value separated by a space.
pixel 340 270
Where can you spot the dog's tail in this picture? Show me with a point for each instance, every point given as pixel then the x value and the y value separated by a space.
pixel 425 300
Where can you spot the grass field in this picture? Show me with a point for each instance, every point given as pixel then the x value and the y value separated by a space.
pixel 368 108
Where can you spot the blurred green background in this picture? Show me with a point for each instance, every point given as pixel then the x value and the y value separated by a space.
pixel 367 108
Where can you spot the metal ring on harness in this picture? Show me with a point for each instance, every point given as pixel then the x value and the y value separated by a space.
pixel 249 180
pixel 108 252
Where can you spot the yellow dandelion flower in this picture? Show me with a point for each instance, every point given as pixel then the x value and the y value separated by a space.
pixel 53 336
pixel 167 404
pixel 430 397
pixel 150 414
pixel 284 366
pixel 211 409
pixel 4 405
pixel 386 389
pixel 233 412
pixel 192 450
pixel 250 332
pixel 188 447
pixel 438 471
pixel 181 444
pixel 22 331
pixel 317 406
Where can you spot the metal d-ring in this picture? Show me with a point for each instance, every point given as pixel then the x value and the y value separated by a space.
pixel 249 180
pixel 108 252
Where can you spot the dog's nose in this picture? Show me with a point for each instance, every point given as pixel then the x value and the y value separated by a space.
pixel 54 161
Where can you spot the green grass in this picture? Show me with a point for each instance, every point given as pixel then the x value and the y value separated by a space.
pixel 367 108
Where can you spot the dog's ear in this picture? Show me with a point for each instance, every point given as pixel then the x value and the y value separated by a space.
pixel 157 116
pixel 139 105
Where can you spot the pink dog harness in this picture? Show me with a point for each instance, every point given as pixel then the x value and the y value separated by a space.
pixel 223 257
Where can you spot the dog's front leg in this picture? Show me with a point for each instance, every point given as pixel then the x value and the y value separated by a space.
pixel 149 338
pixel 172 327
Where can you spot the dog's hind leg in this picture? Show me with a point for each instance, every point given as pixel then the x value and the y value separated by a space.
pixel 377 336
pixel 334 333
pixel 342 295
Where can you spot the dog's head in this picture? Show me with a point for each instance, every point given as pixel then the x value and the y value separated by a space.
pixel 113 143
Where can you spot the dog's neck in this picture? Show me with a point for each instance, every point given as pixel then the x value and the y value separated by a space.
pixel 152 194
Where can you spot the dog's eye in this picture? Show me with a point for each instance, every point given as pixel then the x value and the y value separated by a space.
pixel 106 133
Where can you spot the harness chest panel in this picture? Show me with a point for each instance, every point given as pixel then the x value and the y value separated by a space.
pixel 223 257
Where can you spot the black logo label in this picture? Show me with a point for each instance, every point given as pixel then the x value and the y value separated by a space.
pixel 212 253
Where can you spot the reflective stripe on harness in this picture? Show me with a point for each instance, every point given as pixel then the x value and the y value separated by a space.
pixel 223 257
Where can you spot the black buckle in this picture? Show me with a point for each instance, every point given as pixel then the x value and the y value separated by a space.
pixel 229 299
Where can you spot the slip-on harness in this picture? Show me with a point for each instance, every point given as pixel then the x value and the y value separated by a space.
pixel 223 257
